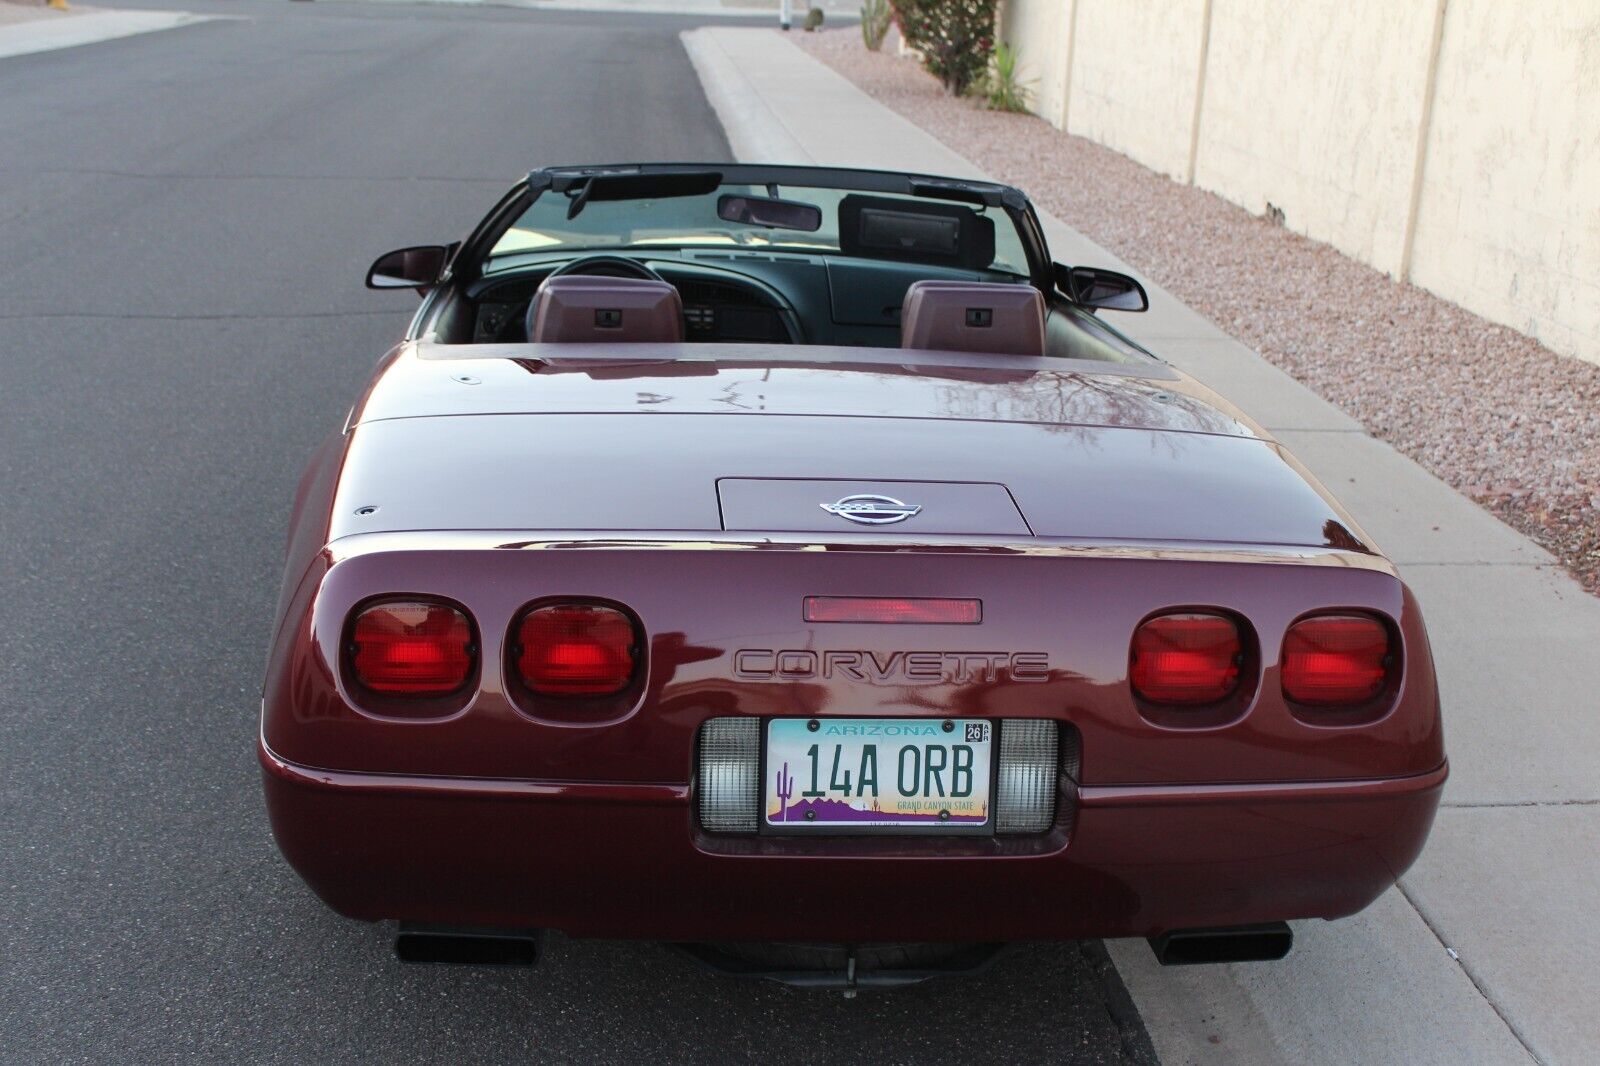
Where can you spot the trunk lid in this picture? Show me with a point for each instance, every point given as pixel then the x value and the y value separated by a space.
pixel 672 442
pixel 626 473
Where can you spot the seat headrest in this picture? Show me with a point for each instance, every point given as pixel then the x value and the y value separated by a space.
pixel 973 316
pixel 579 308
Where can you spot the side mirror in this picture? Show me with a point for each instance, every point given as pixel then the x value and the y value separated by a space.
pixel 1093 287
pixel 408 268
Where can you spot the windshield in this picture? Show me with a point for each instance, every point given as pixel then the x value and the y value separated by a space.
pixel 693 220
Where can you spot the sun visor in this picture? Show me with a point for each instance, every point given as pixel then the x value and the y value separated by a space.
pixel 917 232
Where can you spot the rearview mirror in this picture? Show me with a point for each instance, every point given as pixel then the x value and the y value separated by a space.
pixel 408 268
pixel 769 212
pixel 1093 287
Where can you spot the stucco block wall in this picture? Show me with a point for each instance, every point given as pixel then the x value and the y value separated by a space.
pixel 1042 64
pixel 1452 143
pixel 1135 66
pixel 1315 107
pixel 1508 223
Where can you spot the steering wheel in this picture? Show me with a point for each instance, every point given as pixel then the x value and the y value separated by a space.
pixel 606 266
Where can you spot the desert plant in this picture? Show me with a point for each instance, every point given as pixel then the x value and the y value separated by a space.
pixel 954 38
pixel 814 20
pixel 1001 90
pixel 876 18
pixel 785 783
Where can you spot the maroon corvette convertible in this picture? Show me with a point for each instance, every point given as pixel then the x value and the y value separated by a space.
pixel 791 565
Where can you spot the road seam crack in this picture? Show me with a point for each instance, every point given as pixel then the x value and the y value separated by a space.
pixel 1522 803
pixel 1477 983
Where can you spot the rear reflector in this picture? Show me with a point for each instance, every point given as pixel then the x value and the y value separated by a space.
pixel 411 649
pixel 730 761
pixel 576 649
pixel 1025 785
pixel 1335 659
pixel 892 611
pixel 1187 658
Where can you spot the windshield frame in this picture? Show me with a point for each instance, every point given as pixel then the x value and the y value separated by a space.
pixel 469 262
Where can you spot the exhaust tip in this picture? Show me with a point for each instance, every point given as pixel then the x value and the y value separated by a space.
pixel 1235 943
pixel 468 945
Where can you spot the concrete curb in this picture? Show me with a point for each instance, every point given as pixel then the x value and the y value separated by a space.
pixel 754 129
pixel 27 38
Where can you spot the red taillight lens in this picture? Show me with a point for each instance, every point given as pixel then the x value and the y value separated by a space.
pixel 1335 659
pixel 1186 658
pixel 893 610
pixel 407 648
pixel 576 649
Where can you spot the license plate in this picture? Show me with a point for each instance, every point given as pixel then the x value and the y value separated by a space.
pixel 876 774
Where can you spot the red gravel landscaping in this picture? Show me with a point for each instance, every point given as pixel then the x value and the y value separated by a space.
pixel 1496 415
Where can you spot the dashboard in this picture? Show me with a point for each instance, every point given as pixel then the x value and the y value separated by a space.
pixel 760 297
pixel 718 307
pixel 736 295
pixel 729 295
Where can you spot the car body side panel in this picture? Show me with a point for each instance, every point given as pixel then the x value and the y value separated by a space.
pixel 309 517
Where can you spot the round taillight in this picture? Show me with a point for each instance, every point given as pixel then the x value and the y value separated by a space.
pixel 1186 658
pixel 576 649
pixel 1335 660
pixel 411 649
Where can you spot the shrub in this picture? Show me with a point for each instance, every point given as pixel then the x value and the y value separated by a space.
pixel 954 37
pixel 876 17
pixel 1002 91
pixel 814 20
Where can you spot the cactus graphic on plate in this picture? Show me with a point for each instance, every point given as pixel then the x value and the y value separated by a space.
pixel 785 783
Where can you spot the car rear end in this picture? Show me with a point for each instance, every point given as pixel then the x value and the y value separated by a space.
pixel 1042 713
pixel 543 784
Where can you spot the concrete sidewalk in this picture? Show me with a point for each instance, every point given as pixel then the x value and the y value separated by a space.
pixel 47 35
pixel 836 11
pixel 1484 952
pixel 746 9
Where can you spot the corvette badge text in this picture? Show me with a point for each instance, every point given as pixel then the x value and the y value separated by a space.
pixel 896 667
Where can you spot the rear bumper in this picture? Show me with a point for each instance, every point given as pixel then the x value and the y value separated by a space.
pixel 627 860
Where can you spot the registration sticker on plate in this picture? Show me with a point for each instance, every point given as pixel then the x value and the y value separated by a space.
pixel 873 774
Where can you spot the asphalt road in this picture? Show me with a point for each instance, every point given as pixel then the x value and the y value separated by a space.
pixel 185 219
